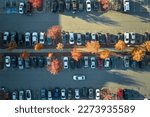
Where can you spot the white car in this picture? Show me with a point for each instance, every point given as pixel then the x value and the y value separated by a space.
pixel 93 35
pixel 107 63
pixel 63 94
pixel 79 77
pixel 79 39
pixel 133 37
pixel 20 63
pixel 7 61
pixel 77 94
pixel 126 37
pixel 126 4
pixel 42 38
pixel 21 8
pixel 66 59
pixel 93 63
pixel 27 39
pixel 71 38
pixel 34 38
pixel 126 61
pixel 97 94
pixel 88 5
pixel 21 95
pixel 86 61
pixel 15 95
pixel 28 95
pixel 5 38
pixel 48 61
pixel 49 95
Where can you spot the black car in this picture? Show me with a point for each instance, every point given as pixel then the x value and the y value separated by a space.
pixel 87 37
pixel 28 8
pixel 27 63
pixel 101 38
pixel 43 94
pixel 72 63
pixel 65 37
pixel 68 4
pixel 70 94
pixel 54 6
pixel 61 6
pixel 41 61
pixel 120 36
pixel 74 6
pixel 81 5
pixel 96 5
pixel 35 62
pixel 14 61
pixel 56 94
pixel 20 40
pixel 84 92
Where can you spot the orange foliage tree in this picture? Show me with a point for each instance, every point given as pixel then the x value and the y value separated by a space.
pixel 54 32
pixel 120 45
pixel 138 53
pixel 60 46
pixel 104 54
pixel 147 46
pixel 12 45
pixel 106 94
pixel 76 55
pixel 24 55
pixel 36 3
pixel 105 4
pixel 93 46
pixel 50 55
pixel 38 46
pixel 55 66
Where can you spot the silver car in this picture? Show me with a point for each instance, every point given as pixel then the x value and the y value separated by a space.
pixel 34 38
pixel 7 61
pixel 126 37
pixel 63 94
pixel 107 63
pixel 71 38
pixel 21 7
pixel 126 61
pixel 20 63
pixel 77 94
pixel 86 61
pixel 21 95
pixel 133 37
pixel 97 94
pixel 93 63
pixel 49 95
pixel 66 59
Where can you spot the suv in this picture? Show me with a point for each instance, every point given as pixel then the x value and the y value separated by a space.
pixel 74 6
pixel 27 39
pixel 71 38
pixel 126 4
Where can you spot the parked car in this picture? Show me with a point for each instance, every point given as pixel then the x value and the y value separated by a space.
pixel 21 8
pixel 87 37
pixel 91 93
pixel 41 61
pixel 79 39
pixel 70 94
pixel 126 61
pixel 13 37
pixel 84 93
pixel 27 62
pixel 126 37
pixel 6 38
pixel 79 77
pixel 61 6
pixel 20 40
pixel 107 63
pixel 7 61
pixel 28 95
pixel 56 94
pixel 71 38
pixel 77 94
pixel 14 95
pixel 48 61
pixel 120 36
pixel 42 38
pixel 49 95
pixel 21 95
pixel 81 5
pixel 68 4
pixel 101 38
pixel 93 62
pixel 63 94
pixel 28 8
pixel 34 61
pixel 146 36
pixel 79 63
pixel 74 6
pixel 86 61
pixel 88 5
pixel 72 63
pixel 97 94
pixel 20 63
pixel 34 38
pixel 133 37
pixel 49 41
pixel 54 6
pixel 27 39
pixel 66 62
pixel 94 36
pixel 43 94
pixel 14 61
pixel 126 4
pixel 65 37
pixel 96 5
pixel 100 63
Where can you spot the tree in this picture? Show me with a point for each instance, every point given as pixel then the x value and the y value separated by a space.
pixel 120 45
pixel 138 53
pixel 147 46
pixel 36 3
pixel 76 55
pixel 55 66
pixel 24 55
pixel 59 46
pixel 12 45
pixel 50 55
pixel 106 94
pixel 93 46
pixel 38 46
pixel 104 54
pixel 105 5
pixel 54 32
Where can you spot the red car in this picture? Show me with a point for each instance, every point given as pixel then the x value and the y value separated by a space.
pixel 119 94
pixel 100 63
